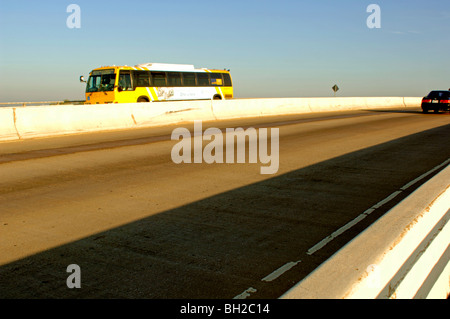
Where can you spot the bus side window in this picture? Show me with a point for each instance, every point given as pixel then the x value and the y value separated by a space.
pixel 141 78
pixel 202 79
pixel 188 79
pixel 159 79
pixel 125 81
pixel 174 78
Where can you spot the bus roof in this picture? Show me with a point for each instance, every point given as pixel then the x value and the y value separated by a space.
pixel 160 67
pixel 166 66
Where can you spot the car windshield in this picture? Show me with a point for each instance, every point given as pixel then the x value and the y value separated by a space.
pixel 102 80
pixel 439 95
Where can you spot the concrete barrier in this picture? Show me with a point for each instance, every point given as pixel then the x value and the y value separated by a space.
pixel 7 124
pixel 166 113
pixel 229 109
pixel 412 101
pixel 41 121
pixel 404 255
pixel 52 120
pixel 38 121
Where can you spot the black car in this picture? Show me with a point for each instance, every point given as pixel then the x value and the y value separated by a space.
pixel 436 101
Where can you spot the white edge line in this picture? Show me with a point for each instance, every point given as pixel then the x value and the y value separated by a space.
pixel 245 294
pixel 386 200
pixel 350 224
pixel 335 234
pixel 277 273
pixel 424 175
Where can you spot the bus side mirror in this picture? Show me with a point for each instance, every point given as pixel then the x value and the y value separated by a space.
pixel 82 79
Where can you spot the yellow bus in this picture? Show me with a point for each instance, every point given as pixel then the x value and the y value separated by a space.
pixel 156 82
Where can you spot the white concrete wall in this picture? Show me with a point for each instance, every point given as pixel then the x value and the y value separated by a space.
pixel 38 121
pixel 229 109
pixel 51 120
pixel 7 127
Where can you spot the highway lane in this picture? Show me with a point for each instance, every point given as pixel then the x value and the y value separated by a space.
pixel 140 226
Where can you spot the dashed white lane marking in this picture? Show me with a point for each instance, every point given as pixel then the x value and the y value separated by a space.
pixel 386 200
pixel 424 175
pixel 245 294
pixel 272 276
pixel 352 223
pixel 338 232
pixel 277 273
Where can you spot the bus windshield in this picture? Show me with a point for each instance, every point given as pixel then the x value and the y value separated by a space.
pixel 101 80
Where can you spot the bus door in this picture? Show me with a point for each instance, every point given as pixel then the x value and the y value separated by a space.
pixel 125 88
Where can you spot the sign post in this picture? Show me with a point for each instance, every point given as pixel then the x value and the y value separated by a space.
pixel 335 88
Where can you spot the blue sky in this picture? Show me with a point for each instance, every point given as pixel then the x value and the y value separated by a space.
pixel 282 48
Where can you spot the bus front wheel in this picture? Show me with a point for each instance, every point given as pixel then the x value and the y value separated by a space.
pixel 142 99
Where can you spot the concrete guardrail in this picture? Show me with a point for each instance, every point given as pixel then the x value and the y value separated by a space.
pixel 52 120
pixel 7 128
pixel 229 109
pixel 404 255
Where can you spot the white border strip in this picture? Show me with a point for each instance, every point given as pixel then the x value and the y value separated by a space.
pixel 277 273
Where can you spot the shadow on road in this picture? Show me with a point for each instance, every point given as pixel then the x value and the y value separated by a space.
pixel 222 245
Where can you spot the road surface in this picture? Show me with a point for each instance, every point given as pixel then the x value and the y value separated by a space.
pixel 140 226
